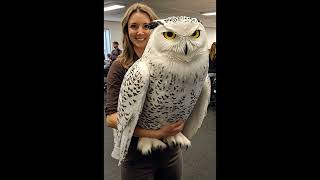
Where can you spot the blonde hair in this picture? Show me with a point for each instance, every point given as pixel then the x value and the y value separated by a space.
pixel 127 56
pixel 212 53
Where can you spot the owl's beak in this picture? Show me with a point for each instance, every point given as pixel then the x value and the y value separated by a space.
pixel 186 50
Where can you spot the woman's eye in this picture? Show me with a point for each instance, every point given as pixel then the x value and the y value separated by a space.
pixel 133 26
pixel 169 35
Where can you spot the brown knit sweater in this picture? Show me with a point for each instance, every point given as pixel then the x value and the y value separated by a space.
pixel 114 80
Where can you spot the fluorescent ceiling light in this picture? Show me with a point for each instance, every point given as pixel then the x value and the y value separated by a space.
pixel 209 14
pixel 109 8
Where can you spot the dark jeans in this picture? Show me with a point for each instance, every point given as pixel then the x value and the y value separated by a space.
pixel 159 165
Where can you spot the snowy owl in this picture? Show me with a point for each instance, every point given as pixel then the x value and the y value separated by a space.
pixel 169 82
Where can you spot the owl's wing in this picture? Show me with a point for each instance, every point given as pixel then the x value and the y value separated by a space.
pixel 193 123
pixel 131 99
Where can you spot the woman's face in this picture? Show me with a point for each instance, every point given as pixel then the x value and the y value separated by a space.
pixel 138 32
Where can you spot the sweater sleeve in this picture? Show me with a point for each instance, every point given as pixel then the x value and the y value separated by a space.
pixel 114 80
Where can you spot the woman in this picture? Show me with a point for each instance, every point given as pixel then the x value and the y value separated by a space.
pixel 212 73
pixel 212 58
pixel 165 164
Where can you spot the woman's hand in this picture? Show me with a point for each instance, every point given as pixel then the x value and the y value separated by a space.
pixel 111 120
pixel 170 129
pixel 163 132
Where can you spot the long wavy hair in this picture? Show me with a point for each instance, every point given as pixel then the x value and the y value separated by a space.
pixel 127 57
pixel 212 53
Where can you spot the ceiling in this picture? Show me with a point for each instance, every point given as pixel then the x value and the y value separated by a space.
pixel 166 8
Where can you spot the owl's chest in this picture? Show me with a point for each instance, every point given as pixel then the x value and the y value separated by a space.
pixel 163 80
pixel 170 86
pixel 169 98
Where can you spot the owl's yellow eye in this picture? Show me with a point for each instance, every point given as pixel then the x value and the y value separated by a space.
pixel 196 34
pixel 169 35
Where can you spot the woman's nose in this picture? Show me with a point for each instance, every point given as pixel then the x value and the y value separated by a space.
pixel 141 30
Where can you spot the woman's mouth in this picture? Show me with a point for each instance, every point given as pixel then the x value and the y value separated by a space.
pixel 140 39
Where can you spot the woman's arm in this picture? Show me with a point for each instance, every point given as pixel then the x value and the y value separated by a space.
pixel 165 131
pixel 114 79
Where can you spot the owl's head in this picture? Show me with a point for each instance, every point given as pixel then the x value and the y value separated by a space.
pixel 179 37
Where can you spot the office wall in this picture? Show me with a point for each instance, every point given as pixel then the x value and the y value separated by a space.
pixel 116 34
pixel 115 31
pixel 211 34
